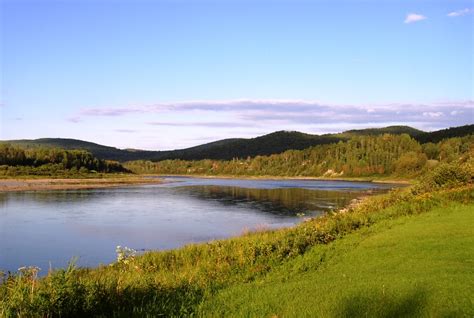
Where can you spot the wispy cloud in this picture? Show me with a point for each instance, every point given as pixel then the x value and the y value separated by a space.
pixel 203 124
pixel 433 114
pixel 216 106
pixel 110 111
pixel 274 115
pixel 126 130
pixel 414 17
pixel 460 13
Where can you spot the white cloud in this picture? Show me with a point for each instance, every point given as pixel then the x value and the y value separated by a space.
pixel 433 114
pixel 170 125
pixel 460 13
pixel 281 114
pixel 414 17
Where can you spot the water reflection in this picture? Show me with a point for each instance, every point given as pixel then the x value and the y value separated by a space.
pixel 53 226
pixel 282 202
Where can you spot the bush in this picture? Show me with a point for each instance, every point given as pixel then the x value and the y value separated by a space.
pixel 445 176
pixel 410 163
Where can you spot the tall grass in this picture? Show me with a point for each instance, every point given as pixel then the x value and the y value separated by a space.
pixel 174 283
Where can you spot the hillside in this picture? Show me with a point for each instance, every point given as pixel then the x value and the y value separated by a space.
pixel 436 136
pixel 226 149
pixel 396 130
pixel 276 142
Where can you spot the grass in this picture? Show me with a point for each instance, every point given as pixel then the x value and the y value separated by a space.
pixel 280 272
pixel 418 266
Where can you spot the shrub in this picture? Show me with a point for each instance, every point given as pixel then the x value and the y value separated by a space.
pixel 445 176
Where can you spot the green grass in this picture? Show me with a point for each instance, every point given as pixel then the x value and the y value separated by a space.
pixel 416 266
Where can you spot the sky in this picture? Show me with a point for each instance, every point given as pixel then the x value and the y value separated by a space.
pixel 172 74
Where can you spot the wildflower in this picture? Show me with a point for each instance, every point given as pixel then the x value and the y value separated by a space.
pixel 125 254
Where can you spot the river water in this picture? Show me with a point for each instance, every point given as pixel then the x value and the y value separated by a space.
pixel 49 228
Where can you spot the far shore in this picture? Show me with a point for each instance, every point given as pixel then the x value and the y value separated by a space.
pixel 355 179
pixel 33 183
pixel 38 184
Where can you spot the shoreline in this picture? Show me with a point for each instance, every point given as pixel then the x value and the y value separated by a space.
pixel 41 184
pixel 355 179
pixel 33 183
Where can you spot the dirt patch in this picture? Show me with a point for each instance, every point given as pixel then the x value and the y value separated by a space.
pixel 7 185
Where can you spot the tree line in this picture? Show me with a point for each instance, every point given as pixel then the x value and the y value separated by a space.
pixel 358 157
pixel 15 160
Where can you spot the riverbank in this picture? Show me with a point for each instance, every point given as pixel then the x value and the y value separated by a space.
pixel 370 273
pixel 37 184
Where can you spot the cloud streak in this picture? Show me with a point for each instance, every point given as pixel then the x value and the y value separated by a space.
pixel 414 17
pixel 460 13
pixel 203 124
pixel 288 114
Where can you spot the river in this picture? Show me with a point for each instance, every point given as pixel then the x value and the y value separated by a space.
pixel 49 228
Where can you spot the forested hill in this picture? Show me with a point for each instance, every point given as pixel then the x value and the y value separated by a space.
pixel 276 142
pixel 437 136
pixel 99 151
pixel 227 149
pixel 394 130
pixel 273 143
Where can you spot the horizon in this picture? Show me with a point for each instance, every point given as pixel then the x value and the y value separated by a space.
pixel 209 142
pixel 164 75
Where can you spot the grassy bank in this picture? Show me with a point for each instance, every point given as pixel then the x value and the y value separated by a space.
pixel 197 279
pixel 420 266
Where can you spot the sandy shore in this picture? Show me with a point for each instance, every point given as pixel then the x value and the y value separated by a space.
pixel 7 185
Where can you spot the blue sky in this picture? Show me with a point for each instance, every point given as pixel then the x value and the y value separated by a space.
pixel 172 74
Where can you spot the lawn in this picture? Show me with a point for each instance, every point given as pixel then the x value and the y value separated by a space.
pixel 414 266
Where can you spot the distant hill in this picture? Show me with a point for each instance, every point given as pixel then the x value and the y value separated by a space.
pixel 396 130
pixel 227 149
pixel 100 151
pixel 436 136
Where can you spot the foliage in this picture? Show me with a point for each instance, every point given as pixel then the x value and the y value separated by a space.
pixel 439 135
pixel 394 130
pixel 398 155
pixel 51 161
pixel 410 163
pixel 431 150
